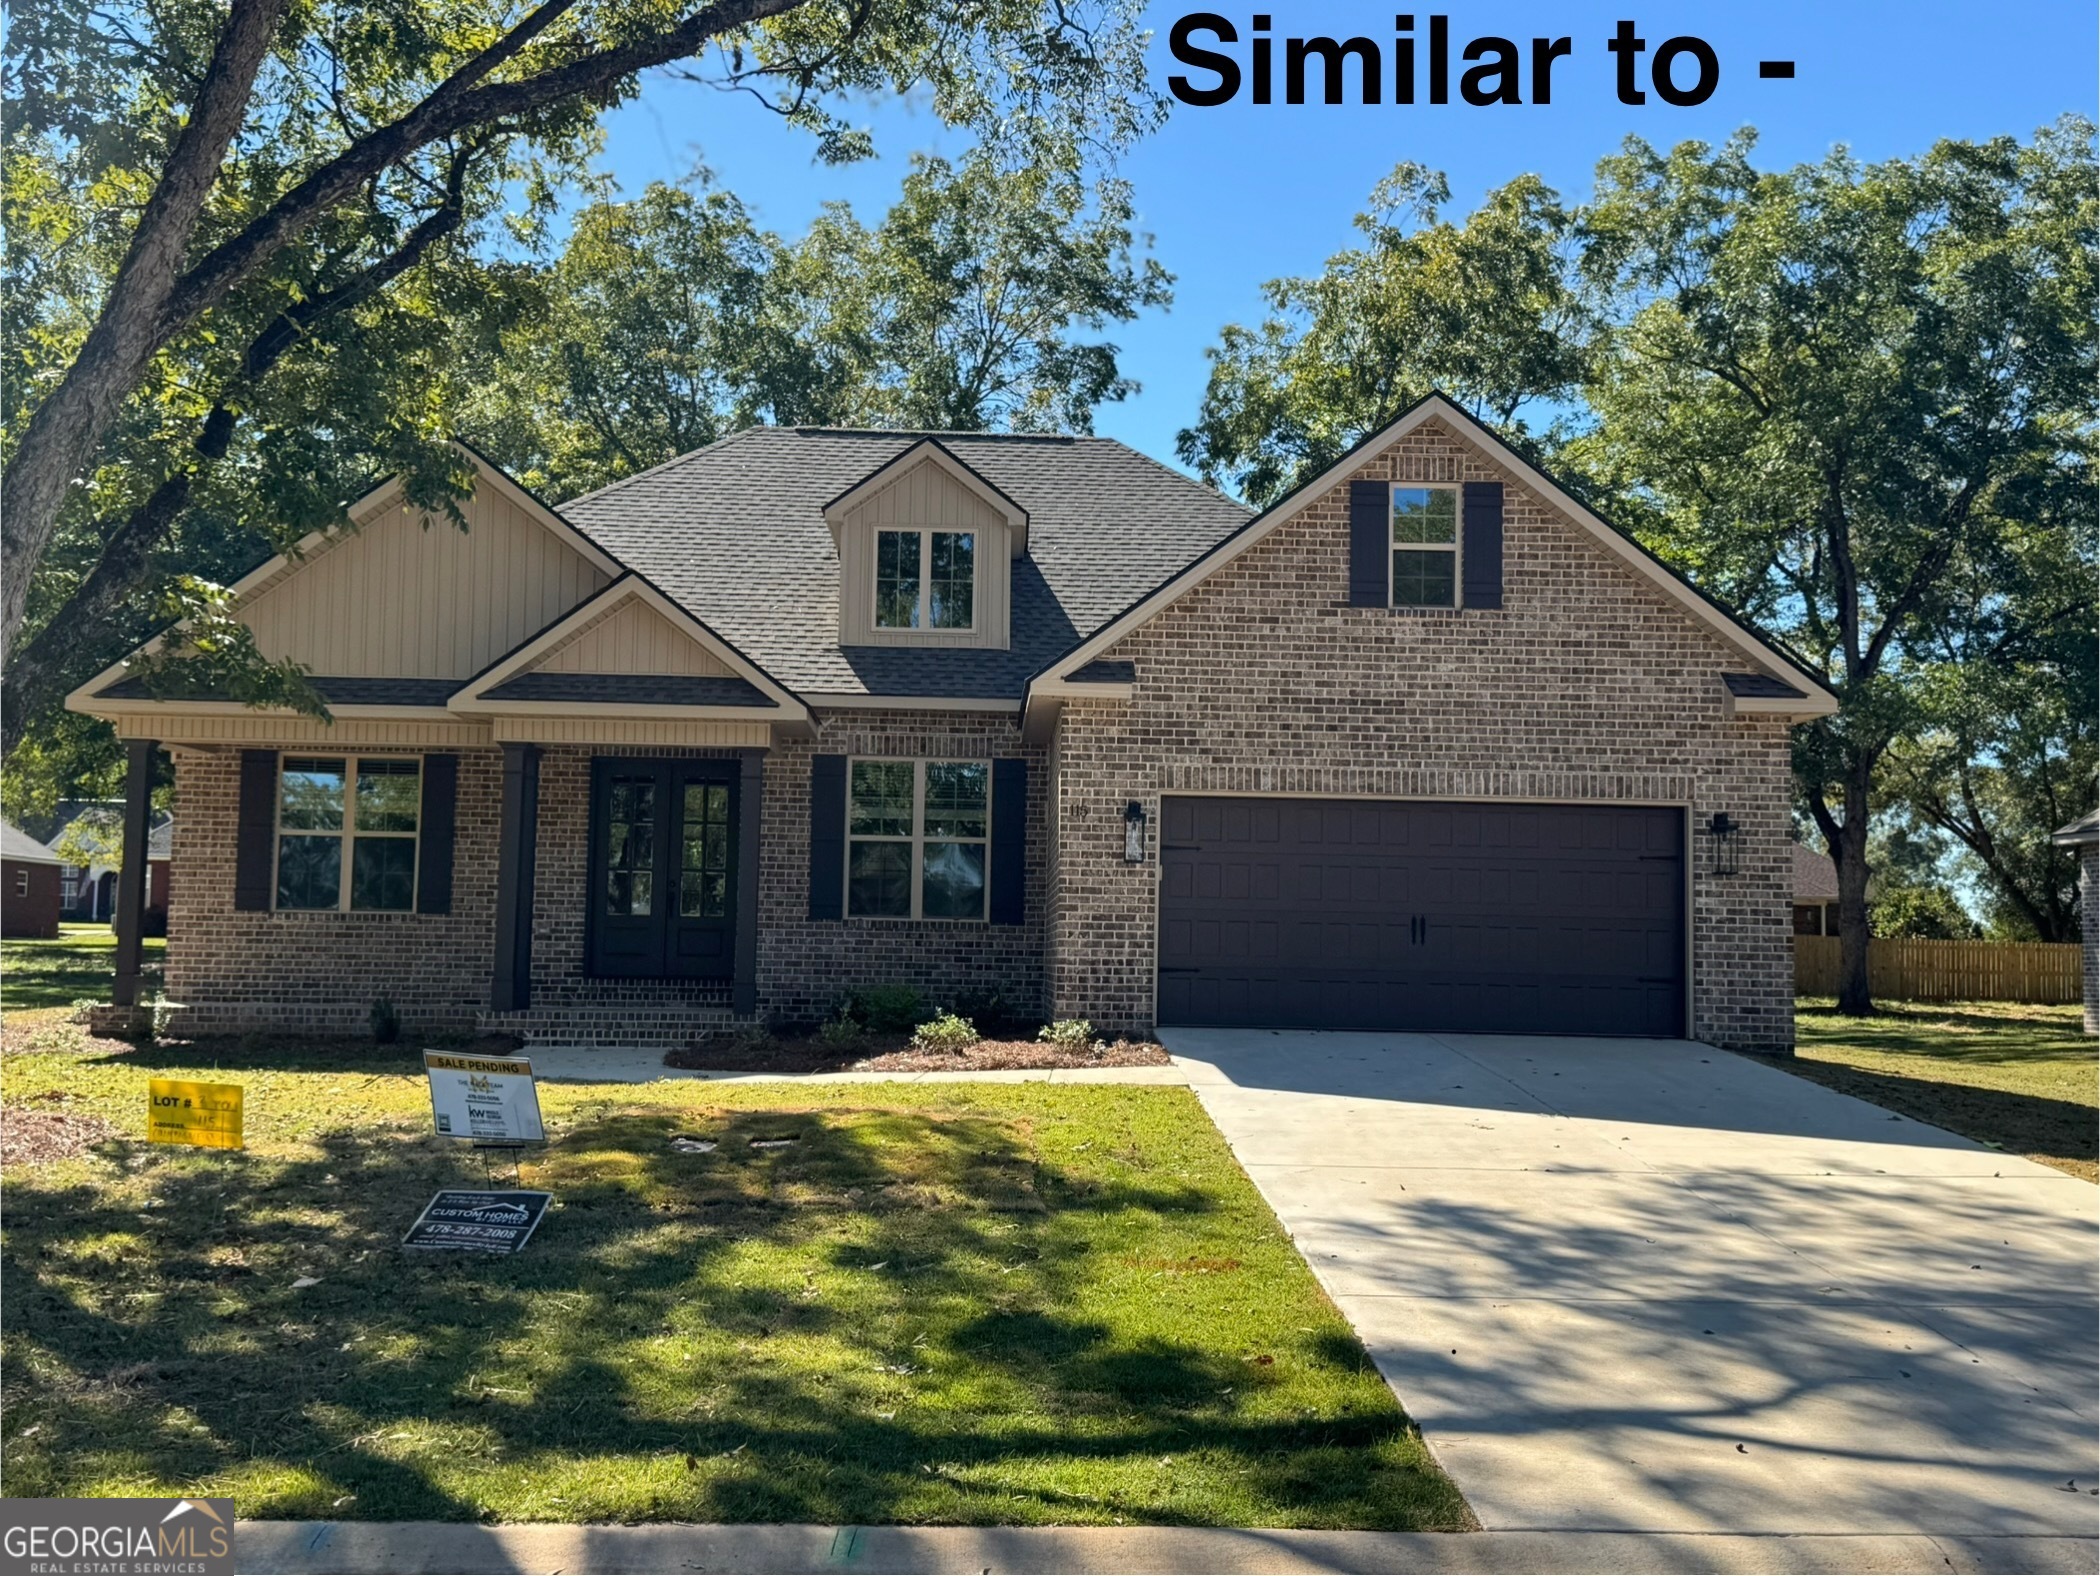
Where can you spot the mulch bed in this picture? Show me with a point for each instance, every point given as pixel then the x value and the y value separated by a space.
pixel 32 1137
pixel 893 1054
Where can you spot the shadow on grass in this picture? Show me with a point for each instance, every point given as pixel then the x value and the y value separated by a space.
pixel 878 1319
pixel 73 967
pixel 2020 1124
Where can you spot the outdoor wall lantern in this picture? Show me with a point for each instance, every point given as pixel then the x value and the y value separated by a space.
pixel 1134 833
pixel 1726 837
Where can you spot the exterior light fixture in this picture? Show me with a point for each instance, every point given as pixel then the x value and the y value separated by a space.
pixel 1134 833
pixel 1726 837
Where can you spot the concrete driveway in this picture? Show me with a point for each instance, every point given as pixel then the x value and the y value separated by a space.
pixel 1652 1286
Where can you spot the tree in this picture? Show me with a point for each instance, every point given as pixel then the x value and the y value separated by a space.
pixel 1842 390
pixel 1484 310
pixel 237 133
pixel 672 319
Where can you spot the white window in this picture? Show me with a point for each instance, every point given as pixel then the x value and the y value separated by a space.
pixel 917 836
pixel 346 832
pixel 1425 547
pixel 925 579
pixel 21 882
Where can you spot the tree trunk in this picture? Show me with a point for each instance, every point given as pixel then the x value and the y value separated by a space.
pixel 1849 849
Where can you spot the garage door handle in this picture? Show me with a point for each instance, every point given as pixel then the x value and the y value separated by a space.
pixel 1181 848
pixel 1165 970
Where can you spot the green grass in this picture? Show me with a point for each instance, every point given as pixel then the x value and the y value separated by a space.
pixel 79 963
pixel 939 1304
pixel 2020 1078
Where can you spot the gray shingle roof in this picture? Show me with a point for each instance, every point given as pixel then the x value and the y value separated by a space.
pixel 1759 686
pixel 632 689
pixel 335 691
pixel 2084 830
pixel 19 846
pixel 735 534
pixel 1815 876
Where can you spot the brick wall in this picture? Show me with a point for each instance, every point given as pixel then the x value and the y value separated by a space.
pixel 2089 917
pixel 1588 684
pixel 320 972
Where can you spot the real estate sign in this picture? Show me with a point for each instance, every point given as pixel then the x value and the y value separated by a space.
pixel 207 1115
pixel 491 1099
pixel 479 1222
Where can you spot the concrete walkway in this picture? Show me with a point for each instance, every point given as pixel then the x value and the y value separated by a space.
pixel 1652 1287
pixel 349 1546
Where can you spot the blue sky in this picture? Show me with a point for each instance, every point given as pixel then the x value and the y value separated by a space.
pixel 1239 194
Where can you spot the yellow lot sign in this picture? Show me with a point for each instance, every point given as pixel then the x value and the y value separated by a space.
pixel 205 1114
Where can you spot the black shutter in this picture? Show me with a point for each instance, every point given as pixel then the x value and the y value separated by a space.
pixel 1370 544
pixel 1483 544
pixel 827 837
pixel 434 860
pixel 1009 841
pixel 257 831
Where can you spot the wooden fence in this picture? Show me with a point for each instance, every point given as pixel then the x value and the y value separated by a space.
pixel 1905 970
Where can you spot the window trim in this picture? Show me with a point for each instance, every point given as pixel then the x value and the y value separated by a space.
pixel 917 842
pixel 1456 547
pixel 924 607
pixel 347 834
pixel 21 881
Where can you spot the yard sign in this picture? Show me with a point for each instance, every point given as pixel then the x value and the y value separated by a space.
pixel 491 1099
pixel 205 1114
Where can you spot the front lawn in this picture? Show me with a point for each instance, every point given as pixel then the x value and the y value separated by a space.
pixel 79 963
pixel 874 1303
pixel 2020 1078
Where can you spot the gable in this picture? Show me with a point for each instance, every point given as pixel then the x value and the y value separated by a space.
pixel 632 638
pixel 411 596
pixel 1436 441
pixel 925 494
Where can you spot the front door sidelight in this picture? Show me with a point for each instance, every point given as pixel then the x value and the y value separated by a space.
pixel 663 874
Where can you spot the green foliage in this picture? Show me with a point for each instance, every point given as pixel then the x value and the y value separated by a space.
pixel 385 1022
pixel 886 1009
pixel 841 1033
pixel 672 319
pixel 1069 1034
pixel 1484 310
pixel 1924 913
pixel 945 1032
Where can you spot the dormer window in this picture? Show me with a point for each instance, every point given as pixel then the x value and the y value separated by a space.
pixel 925 579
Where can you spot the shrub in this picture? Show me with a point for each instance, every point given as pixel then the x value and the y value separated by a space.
pixel 1068 1034
pixel 991 1010
pixel 386 1022
pixel 887 1009
pixel 946 1032
pixel 753 1039
pixel 841 1034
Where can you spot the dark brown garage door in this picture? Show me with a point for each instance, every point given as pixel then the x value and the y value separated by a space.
pixel 1378 914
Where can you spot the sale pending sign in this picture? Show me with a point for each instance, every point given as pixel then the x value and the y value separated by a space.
pixel 491 1099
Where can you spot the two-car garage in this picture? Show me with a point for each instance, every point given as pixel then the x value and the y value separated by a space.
pixel 1452 916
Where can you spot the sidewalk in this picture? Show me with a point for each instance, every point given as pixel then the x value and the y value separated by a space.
pixel 348 1546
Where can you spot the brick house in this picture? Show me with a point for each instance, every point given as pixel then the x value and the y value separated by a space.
pixel 28 885
pixel 1424 745
pixel 2082 837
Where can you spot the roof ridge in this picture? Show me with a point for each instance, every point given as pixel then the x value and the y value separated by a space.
pixel 722 442
pixel 804 429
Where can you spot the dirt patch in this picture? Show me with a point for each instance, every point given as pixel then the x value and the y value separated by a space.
pixel 893 1054
pixel 30 1137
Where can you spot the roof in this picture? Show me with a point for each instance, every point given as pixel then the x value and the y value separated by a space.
pixel 1760 686
pixel 334 691
pixel 1815 876
pixel 19 846
pixel 160 842
pixel 2084 830
pixel 630 689
pixel 735 533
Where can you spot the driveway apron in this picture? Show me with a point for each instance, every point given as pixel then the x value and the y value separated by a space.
pixel 1643 1285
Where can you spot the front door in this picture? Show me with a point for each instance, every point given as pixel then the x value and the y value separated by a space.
pixel 663 869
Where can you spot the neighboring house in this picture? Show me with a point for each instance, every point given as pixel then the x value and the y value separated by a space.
pixel 28 885
pixel 2083 835
pixel 1815 892
pixel 88 892
pixel 1426 745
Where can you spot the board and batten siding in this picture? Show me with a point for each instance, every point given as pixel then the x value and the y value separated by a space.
pixel 925 497
pixel 633 638
pixel 400 598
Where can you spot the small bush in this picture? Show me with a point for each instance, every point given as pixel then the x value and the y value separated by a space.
pixel 887 1009
pixel 946 1032
pixel 991 1010
pixel 841 1034
pixel 1069 1034
pixel 754 1039
pixel 386 1022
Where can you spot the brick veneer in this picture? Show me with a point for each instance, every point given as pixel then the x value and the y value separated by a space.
pixel 2089 917
pixel 321 972
pixel 1587 684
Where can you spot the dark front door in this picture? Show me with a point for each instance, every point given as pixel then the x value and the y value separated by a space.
pixel 1376 914
pixel 663 869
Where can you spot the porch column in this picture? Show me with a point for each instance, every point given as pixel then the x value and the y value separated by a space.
pixel 517 843
pixel 743 994
pixel 132 878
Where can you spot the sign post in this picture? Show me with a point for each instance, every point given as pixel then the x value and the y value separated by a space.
pixel 207 1115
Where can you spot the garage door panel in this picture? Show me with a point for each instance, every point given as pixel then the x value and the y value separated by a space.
pixel 1413 915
